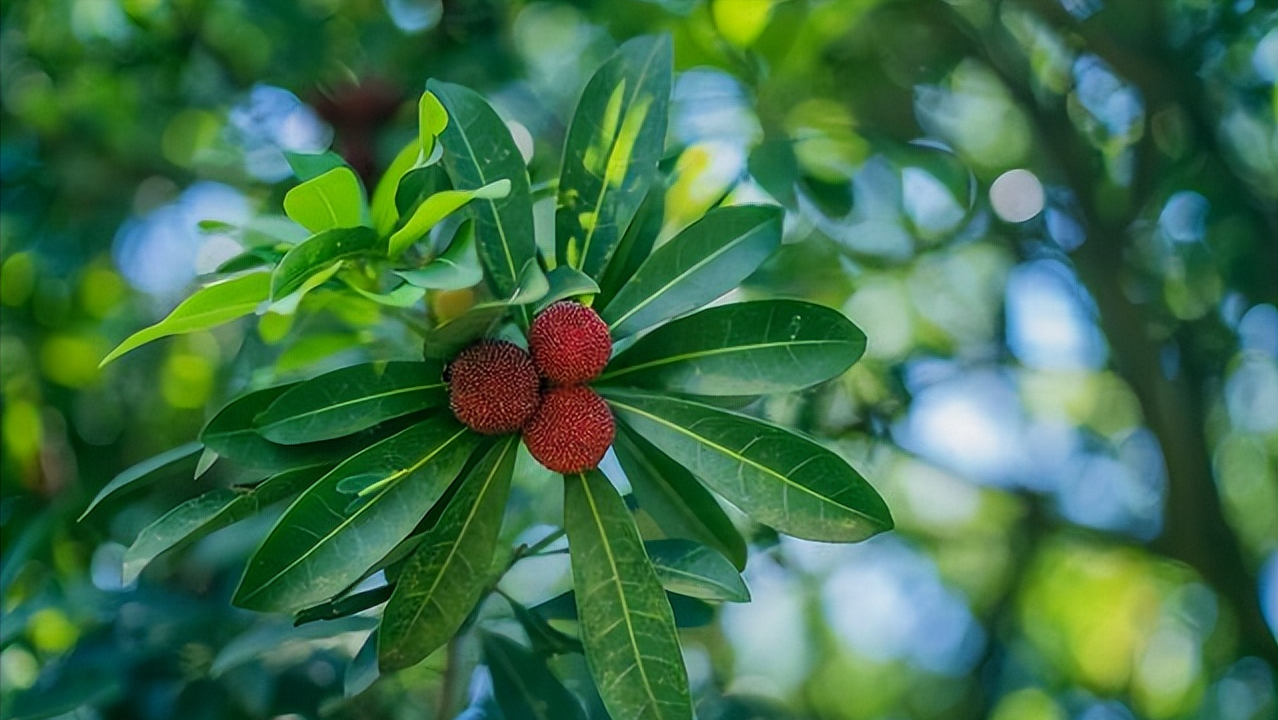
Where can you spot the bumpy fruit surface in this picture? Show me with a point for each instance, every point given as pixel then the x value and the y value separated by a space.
pixel 493 387
pixel 571 430
pixel 569 343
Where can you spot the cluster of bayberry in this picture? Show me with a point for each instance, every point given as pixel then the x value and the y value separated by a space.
pixel 496 387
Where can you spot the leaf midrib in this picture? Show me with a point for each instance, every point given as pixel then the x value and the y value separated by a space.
pixel 621 591
pixel 603 189
pixel 670 359
pixel 492 205
pixel 391 482
pixel 740 458
pixel 470 518
pixel 683 275
pixel 274 424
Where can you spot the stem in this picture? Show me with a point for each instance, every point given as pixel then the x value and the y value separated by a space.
pixel 445 709
pixel 541 544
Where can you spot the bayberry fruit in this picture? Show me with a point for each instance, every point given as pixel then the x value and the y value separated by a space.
pixel 571 430
pixel 570 343
pixel 493 387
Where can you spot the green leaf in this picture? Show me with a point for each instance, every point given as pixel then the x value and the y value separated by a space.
pixel 479 150
pixel 447 574
pixel 774 475
pixel 232 434
pixel 404 296
pixel 674 499
pixel 344 606
pixel 385 213
pixel 210 306
pixel 351 399
pixel 752 348
pixel 692 569
pixel 566 283
pixel 142 473
pixel 688 612
pixel 457 268
pixel 418 184
pixel 307 166
pixel 431 121
pixel 636 244
pixel 704 261
pixel 523 685
pixel 627 626
pixel 209 512
pixel 436 208
pixel 323 542
pixel 318 253
pixel 545 638
pixel 618 134
pixel 362 672
pixel 444 341
pixel 250 259
pixel 287 640
pixel 79 681
pixel 331 200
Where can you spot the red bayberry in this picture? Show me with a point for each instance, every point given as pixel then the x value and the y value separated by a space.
pixel 569 343
pixel 571 430
pixel 493 387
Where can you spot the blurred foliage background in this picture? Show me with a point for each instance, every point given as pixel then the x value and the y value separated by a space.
pixel 1057 221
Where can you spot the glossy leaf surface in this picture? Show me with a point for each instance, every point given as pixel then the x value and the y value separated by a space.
pixel 351 399
pixel 752 348
pixel 706 260
pixel 327 538
pixel 445 577
pixel 627 626
pixel 774 475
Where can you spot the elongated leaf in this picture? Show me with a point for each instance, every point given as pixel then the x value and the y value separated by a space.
pixel 545 638
pixel 692 569
pixel 318 253
pixel 250 259
pixel 327 201
pixel 210 306
pixel 774 475
pixel 688 612
pixel 209 512
pixel 676 501
pixel 610 157
pixel 457 268
pixel 636 244
pixel 750 348
pixel 384 211
pixel 344 606
pixel 401 297
pixel 706 260
pixel 324 541
pixel 566 283
pixel 311 165
pixel 232 434
pixel 351 399
pixel 627 626
pixel 436 208
pixel 275 637
pixel 523 685
pixel 420 183
pixel 479 150
pixel 447 574
pixel 144 472
pixel 362 672
pixel 444 341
